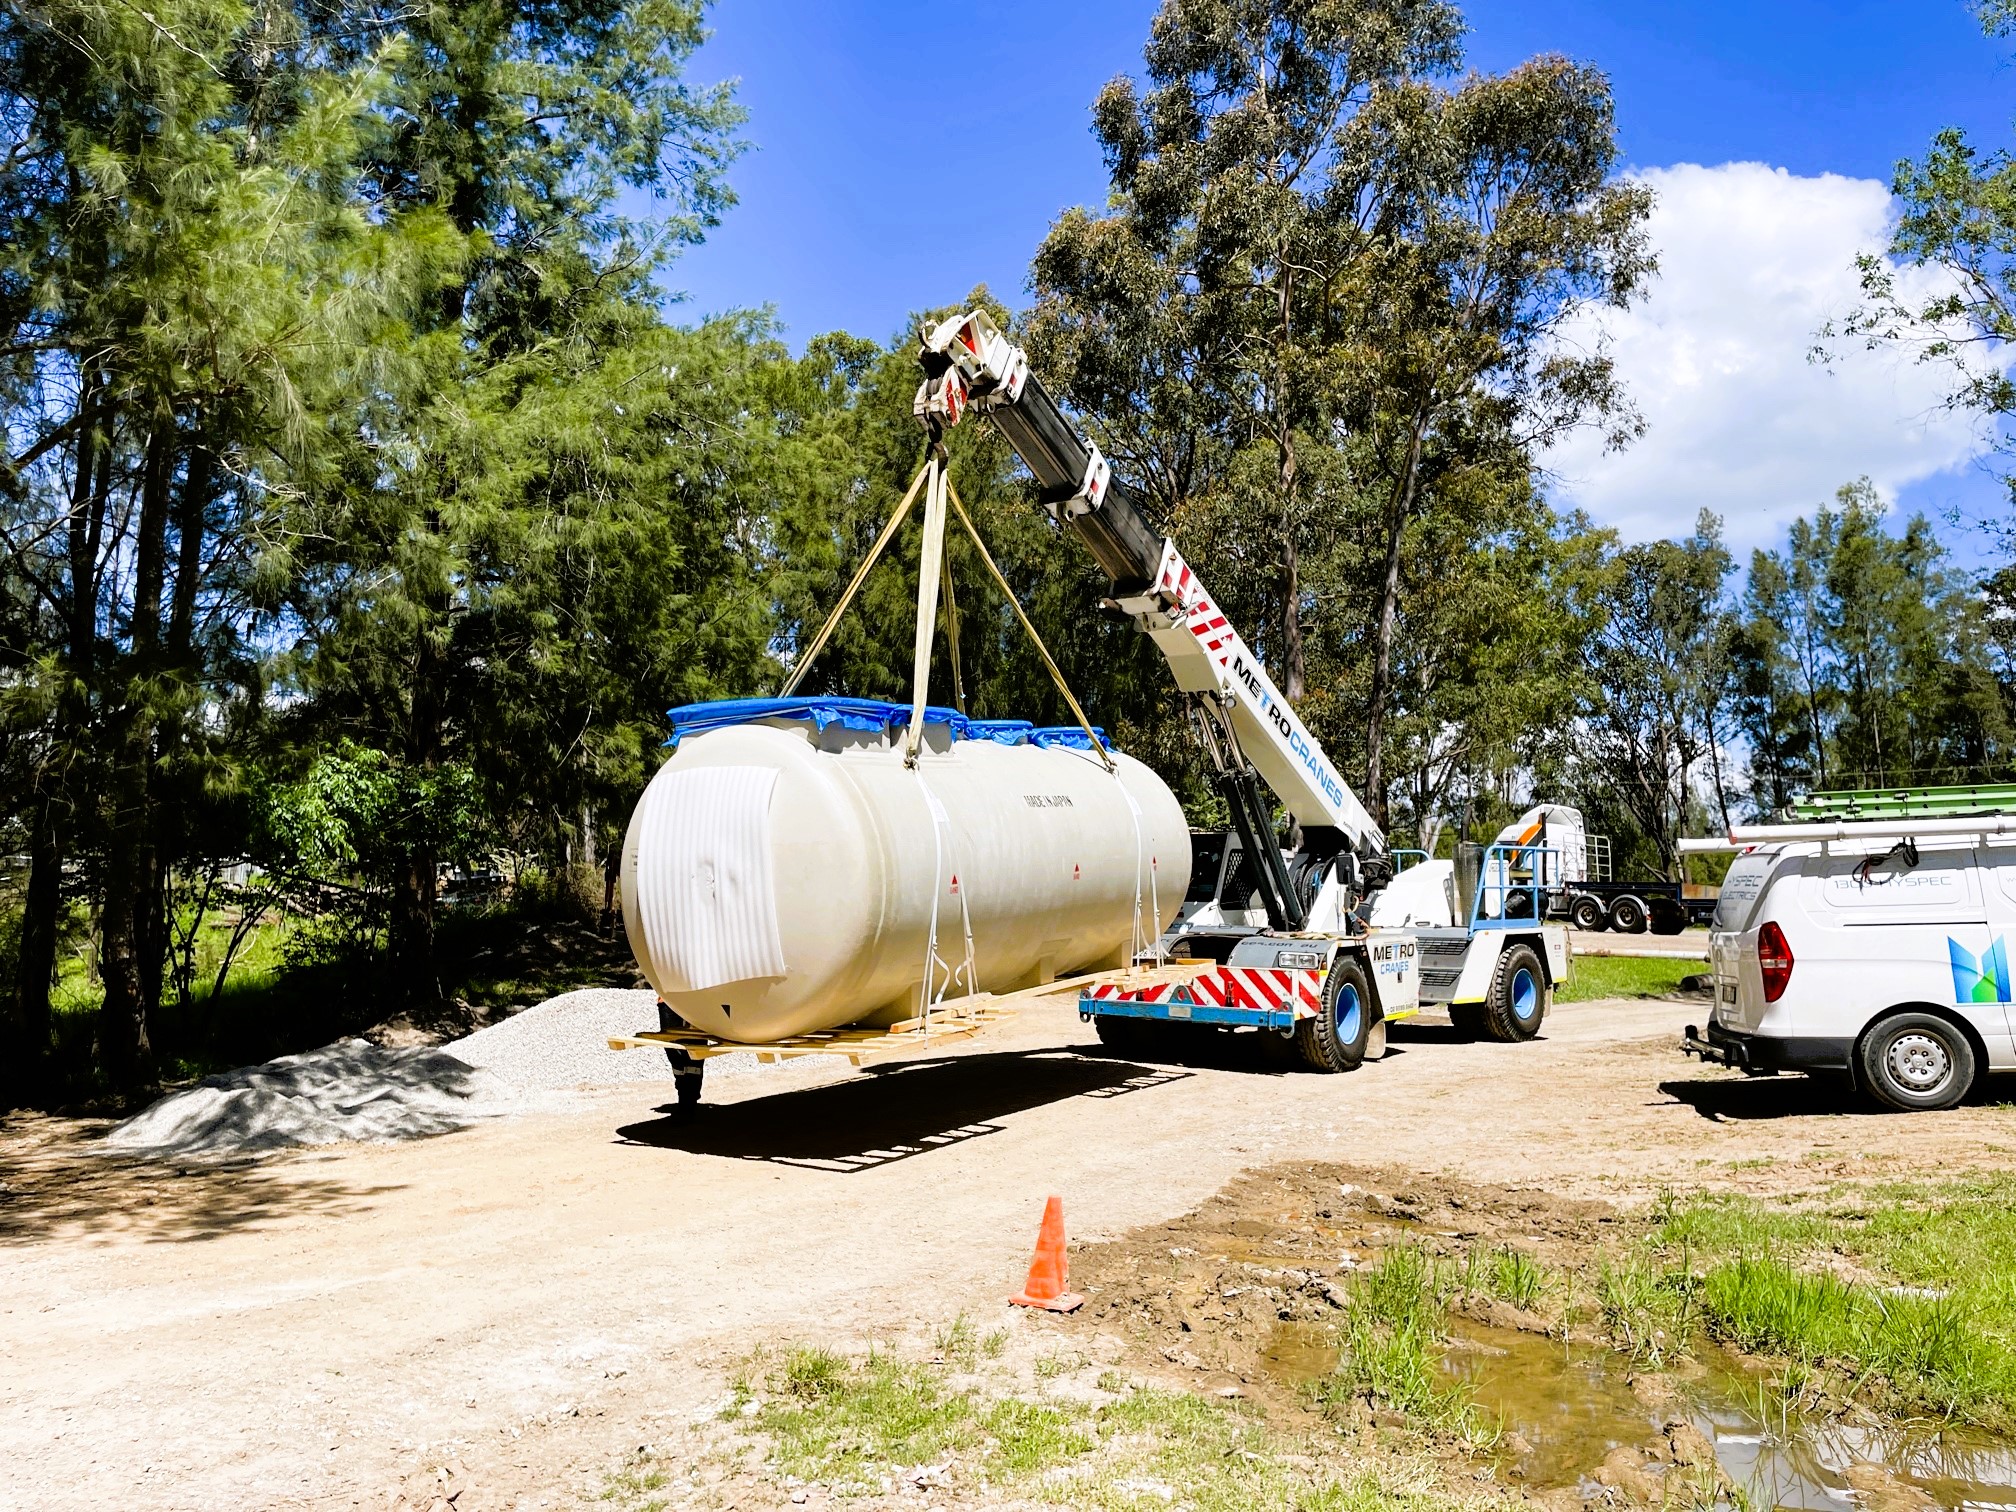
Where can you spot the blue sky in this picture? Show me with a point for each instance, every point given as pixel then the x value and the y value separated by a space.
pixel 903 153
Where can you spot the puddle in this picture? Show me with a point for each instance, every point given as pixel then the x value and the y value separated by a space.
pixel 1564 1408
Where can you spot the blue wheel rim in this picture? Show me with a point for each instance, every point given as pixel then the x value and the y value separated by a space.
pixel 1349 1011
pixel 1525 995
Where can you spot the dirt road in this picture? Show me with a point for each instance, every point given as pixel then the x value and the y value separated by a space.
pixel 542 1295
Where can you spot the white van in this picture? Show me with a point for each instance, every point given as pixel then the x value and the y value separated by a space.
pixel 1874 951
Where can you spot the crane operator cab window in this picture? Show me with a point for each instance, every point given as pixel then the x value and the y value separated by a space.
pixel 1207 860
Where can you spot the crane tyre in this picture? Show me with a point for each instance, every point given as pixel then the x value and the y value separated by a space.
pixel 1586 912
pixel 1916 1062
pixel 1627 915
pixel 1336 1038
pixel 1518 998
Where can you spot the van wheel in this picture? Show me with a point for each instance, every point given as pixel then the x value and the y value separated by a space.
pixel 1916 1062
pixel 1518 999
pixel 1627 915
pixel 1335 1039
pixel 1587 913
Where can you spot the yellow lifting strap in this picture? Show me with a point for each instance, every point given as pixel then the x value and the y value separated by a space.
pixel 934 580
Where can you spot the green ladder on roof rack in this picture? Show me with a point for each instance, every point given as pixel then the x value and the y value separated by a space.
pixel 1908 803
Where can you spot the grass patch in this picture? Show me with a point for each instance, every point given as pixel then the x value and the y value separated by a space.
pixel 1593 977
pixel 1394 1327
pixel 865 1426
pixel 1905 1294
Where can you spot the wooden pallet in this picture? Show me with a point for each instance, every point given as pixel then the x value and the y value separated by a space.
pixel 855 1043
pixel 959 1019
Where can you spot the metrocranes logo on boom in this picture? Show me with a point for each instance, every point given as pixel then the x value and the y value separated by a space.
pixel 1298 740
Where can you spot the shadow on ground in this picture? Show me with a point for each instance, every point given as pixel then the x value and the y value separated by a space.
pixel 1767 1097
pixel 54 1184
pixel 895 1112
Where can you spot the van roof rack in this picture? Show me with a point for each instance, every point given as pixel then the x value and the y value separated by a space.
pixel 1980 801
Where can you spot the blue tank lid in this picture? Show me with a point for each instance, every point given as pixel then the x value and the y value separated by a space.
pixel 871 715
pixel 1000 731
pixel 1069 736
pixel 866 714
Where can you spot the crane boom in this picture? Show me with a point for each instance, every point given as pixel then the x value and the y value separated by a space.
pixel 1250 728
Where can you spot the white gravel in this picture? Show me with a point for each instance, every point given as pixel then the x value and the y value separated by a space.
pixel 349 1090
pixel 564 1042
pixel 354 1090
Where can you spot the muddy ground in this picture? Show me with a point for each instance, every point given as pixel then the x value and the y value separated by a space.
pixel 531 1300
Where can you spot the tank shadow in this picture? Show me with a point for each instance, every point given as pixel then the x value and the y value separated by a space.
pixel 1767 1097
pixel 896 1112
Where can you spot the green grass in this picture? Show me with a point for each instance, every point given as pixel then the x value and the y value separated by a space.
pixel 856 1424
pixel 1394 1327
pixel 1903 1294
pixel 1593 977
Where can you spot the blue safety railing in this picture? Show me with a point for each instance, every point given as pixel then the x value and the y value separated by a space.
pixel 1500 880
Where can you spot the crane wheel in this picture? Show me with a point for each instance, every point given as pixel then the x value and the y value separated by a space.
pixel 1336 1038
pixel 1518 998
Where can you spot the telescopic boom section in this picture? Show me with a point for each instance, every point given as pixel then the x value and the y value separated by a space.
pixel 969 363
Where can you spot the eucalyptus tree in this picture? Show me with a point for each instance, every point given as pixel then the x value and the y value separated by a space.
pixel 1327 289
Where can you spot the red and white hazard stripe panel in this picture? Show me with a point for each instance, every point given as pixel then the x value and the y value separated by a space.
pixel 1260 988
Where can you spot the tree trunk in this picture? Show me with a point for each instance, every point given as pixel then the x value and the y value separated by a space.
pixel 130 877
pixel 411 928
pixel 1389 616
pixel 26 1041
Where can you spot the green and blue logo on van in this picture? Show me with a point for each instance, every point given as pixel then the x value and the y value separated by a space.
pixel 1983 980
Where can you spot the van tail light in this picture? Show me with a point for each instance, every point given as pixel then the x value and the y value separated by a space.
pixel 1774 960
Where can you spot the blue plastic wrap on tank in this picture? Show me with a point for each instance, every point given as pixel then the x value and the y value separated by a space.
pixel 849 713
pixel 1001 731
pixel 866 714
pixel 1069 736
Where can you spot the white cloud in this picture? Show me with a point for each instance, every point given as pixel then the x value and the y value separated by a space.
pixel 1753 261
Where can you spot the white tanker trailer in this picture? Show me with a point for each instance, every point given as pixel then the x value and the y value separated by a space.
pixel 785 872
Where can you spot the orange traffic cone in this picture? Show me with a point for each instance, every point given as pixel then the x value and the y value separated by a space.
pixel 1045 1286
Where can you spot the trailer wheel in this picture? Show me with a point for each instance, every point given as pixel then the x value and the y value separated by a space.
pixel 1518 998
pixel 1917 1062
pixel 1586 912
pixel 1627 915
pixel 1669 916
pixel 1335 1039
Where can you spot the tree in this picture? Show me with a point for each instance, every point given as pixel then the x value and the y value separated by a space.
pixel 518 125
pixel 1866 660
pixel 1958 219
pixel 1327 283
pixel 186 264
pixel 1657 632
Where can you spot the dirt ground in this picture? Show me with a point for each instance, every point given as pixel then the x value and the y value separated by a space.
pixel 532 1300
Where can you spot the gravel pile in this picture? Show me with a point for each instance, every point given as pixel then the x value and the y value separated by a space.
pixel 349 1090
pixel 354 1090
pixel 564 1042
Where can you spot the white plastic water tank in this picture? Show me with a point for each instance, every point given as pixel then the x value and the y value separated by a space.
pixel 782 872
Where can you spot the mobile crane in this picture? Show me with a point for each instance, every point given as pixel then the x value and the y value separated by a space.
pixel 1352 940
